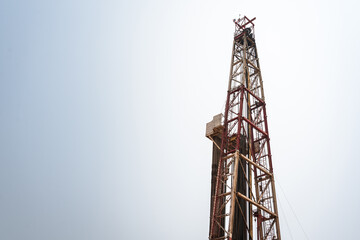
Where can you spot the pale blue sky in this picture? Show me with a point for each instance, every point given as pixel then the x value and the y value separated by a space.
pixel 103 106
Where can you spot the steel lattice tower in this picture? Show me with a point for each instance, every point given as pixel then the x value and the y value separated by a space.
pixel 243 197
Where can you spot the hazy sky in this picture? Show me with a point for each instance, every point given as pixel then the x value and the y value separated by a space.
pixel 103 106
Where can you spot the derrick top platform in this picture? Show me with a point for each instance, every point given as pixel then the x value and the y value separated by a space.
pixel 243 26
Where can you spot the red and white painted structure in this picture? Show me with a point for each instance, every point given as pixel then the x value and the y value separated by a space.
pixel 243 201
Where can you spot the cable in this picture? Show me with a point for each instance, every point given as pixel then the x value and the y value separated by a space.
pixel 284 215
pixel 297 219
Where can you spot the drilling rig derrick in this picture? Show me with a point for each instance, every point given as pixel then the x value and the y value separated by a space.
pixel 243 198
